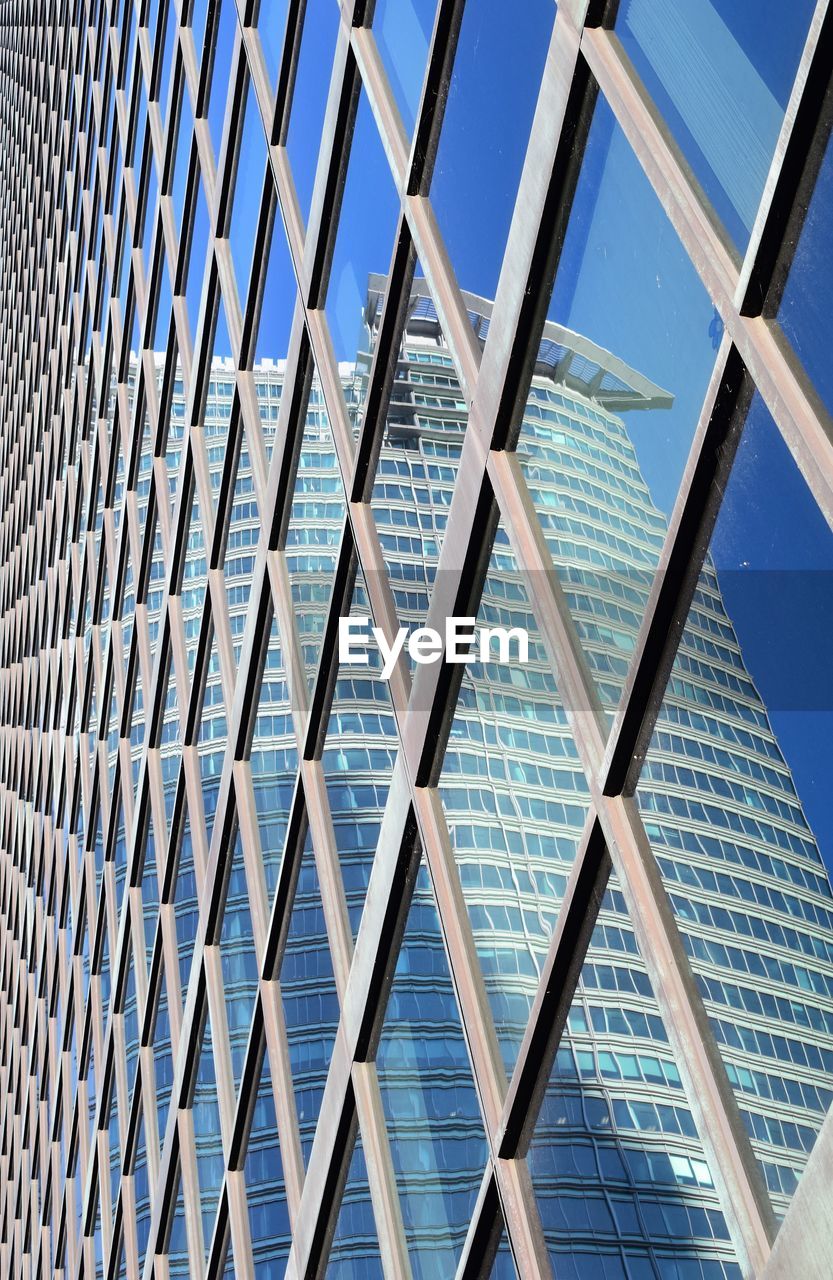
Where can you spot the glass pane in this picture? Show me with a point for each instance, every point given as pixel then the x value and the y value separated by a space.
pixel 213 736
pixel 163 1065
pixel 274 760
pixel 271 26
pixel 239 961
pixel 503 1268
pixel 197 252
pixel 265 1191
pixel 310 999
pixel 436 1134
pixel 226 24
pixel 219 402
pixel 354 1252
pixel 208 1139
pixel 194 580
pixel 315 526
pixel 248 186
pixel 276 311
pixel 488 115
pixel 421 447
pixel 720 72
pixel 309 96
pixel 805 312
pixel 170 742
pixel 515 798
pixel 623 366
pixel 359 751
pixel 141 1193
pixel 403 33
pixel 622 1183
pixel 186 901
pixel 736 801
pixel 177 1246
pixel 241 546
pixel 363 248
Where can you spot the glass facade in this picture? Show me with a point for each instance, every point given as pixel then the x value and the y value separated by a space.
pixel 405 312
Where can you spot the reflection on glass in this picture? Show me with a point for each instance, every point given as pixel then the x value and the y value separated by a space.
pixel 248 185
pixel 622 370
pixel 207 1133
pixel 177 1245
pixel 271 26
pixel 238 959
pixel 354 1252
pixel 225 28
pixel 515 798
pixel 735 799
pixel 615 396
pixel 720 72
pixel 421 446
pixel 359 751
pixel 491 101
pixel 364 243
pixel 265 1191
pixel 316 523
pixel 503 1268
pixel 212 738
pixel 403 33
pixel 804 313
pixel 309 96
pixel 310 999
pixel 242 536
pixel 274 760
pixel 433 1119
pixel 622 1184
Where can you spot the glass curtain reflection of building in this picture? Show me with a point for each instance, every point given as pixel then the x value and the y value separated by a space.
pixel 616 1162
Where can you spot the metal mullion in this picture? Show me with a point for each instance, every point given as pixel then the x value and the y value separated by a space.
pixel 740 1186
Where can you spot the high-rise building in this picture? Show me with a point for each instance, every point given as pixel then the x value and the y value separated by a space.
pixel 513 967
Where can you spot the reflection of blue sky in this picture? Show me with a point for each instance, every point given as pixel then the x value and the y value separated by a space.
pixel 366 230
pixel 271 24
pixel 488 115
pixel 805 312
pixel 720 71
pixel 625 281
pixel 773 551
pixel 402 29
pixel 309 96
pixel 279 296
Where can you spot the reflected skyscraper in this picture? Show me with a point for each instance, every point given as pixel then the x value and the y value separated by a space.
pixel 616 1162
